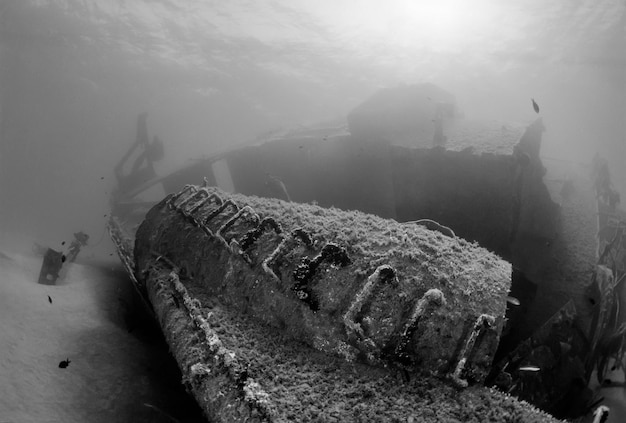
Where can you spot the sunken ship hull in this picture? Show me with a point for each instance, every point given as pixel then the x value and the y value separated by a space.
pixel 278 312
pixel 312 311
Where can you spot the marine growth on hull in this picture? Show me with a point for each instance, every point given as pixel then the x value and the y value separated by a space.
pixel 392 307
pixel 347 283
pixel 512 308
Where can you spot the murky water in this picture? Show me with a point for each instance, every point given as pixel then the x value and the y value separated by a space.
pixel 74 76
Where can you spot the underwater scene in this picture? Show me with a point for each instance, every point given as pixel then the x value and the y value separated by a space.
pixel 312 211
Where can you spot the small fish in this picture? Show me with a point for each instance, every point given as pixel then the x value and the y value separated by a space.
pixel 529 369
pixel 105 215
pixel 63 364
pixel 63 243
pixel 102 177
pixel 49 299
pixel 111 254
pixel 512 300
pixel 535 106
pixel 63 258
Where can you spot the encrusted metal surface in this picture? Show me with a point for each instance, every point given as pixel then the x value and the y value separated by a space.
pixel 341 299
pixel 402 316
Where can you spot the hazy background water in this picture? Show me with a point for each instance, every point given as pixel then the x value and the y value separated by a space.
pixel 74 74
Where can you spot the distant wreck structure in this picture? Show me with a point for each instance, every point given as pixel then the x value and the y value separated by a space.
pixel 53 261
pixel 403 266
pixel 409 115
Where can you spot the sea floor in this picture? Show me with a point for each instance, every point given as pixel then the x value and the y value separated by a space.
pixel 120 368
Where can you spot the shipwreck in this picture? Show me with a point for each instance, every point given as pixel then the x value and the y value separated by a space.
pixel 342 274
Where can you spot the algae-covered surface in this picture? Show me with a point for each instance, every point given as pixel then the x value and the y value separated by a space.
pixel 298 383
pixel 255 336
pixel 462 270
pixel 472 281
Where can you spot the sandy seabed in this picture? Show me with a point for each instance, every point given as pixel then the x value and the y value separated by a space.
pixel 119 361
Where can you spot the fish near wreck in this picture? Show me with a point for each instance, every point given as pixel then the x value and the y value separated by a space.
pixel 267 306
